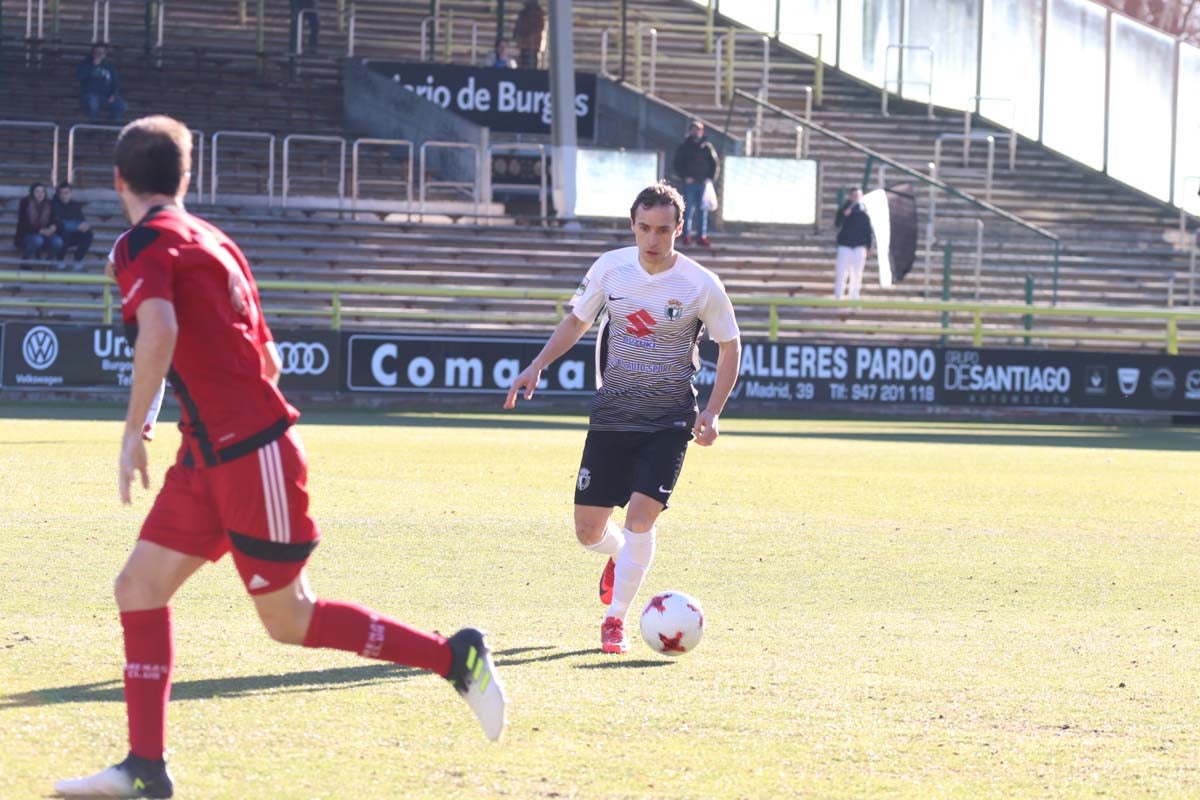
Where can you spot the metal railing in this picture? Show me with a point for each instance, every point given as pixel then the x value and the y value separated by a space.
pixel 540 149
pixel 943 326
pixel 96 29
pixel 926 180
pixel 900 80
pixel 426 184
pixel 1012 128
pixel 1192 257
pixel 356 181
pixel 724 59
pixel 990 167
pixel 29 18
pixel 1187 182
pixel 215 158
pixel 35 125
pixel 307 137
pixel 313 17
pixel 429 44
pixel 84 126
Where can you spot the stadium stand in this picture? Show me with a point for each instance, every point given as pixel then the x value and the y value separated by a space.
pixel 1115 244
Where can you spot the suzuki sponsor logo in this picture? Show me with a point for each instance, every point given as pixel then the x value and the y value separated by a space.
pixel 641 323
pixel 1162 383
pixel 303 358
pixel 1191 385
pixel 1127 379
pixel 1096 382
pixel 40 347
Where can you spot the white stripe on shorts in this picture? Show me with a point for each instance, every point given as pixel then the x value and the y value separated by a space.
pixel 274 493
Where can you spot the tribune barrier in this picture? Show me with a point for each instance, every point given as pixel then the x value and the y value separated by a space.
pixel 783 377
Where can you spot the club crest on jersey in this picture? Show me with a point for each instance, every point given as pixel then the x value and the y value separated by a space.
pixel 674 309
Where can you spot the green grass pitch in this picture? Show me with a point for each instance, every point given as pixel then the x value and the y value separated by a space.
pixel 894 609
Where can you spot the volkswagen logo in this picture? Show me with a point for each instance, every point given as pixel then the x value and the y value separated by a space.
pixel 303 358
pixel 40 347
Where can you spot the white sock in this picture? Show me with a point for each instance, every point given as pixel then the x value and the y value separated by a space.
pixel 611 543
pixel 632 563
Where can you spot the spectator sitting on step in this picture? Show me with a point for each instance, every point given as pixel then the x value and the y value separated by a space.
pixel 37 235
pixel 499 57
pixel 530 34
pixel 75 231
pixel 99 88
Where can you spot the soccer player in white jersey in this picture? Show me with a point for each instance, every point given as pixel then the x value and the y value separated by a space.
pixel 652 303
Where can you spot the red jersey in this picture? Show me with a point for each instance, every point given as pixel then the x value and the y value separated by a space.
pixel 229 407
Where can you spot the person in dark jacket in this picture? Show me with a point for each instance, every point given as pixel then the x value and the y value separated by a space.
pixel 37 235
pixel 696 162
pixel 529 33
pixel 99 87
pixel 75 231
pixel 853 241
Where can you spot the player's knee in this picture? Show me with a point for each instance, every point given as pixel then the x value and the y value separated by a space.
pixel 286 616
pixel 589 533
pixel 133 592
pixel 283 628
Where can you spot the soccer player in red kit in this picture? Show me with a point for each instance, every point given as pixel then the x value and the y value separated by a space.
pixel 238 483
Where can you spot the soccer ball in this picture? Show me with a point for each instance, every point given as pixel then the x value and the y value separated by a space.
pixel 672 623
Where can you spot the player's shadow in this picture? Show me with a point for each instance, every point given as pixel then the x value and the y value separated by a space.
pixel 213 688
pixel 611 663
pixel 305 681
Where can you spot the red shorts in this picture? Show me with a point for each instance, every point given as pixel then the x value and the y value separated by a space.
pixel 255 507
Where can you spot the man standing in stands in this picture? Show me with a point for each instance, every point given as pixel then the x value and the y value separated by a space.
pixel 530 35
pixel 853 241
pixel 99 87
pixel 696 163
pixel 238 485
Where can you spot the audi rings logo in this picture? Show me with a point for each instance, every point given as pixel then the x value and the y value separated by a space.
pixel 303 358
pixel 40 347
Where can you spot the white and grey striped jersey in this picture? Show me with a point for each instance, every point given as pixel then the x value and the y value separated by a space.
pixel 647 349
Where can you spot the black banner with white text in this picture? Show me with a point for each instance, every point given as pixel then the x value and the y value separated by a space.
pixel 778 376
pixel 509 100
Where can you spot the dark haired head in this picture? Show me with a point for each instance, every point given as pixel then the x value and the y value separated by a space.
pixel 660 194
pixel 154 155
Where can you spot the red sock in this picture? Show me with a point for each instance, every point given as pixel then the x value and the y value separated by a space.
pixel 347 626
pixel 149 656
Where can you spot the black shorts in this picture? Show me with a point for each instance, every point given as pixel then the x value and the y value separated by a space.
pixel 616 464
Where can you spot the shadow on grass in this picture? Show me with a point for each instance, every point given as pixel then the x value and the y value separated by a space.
pixel 113 691
pixel 623 664
pixel 214 688
pixel 504 657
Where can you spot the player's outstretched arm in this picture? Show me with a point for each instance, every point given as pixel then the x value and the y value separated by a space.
pixel 157 329
pixel 568 332
pixel 729 358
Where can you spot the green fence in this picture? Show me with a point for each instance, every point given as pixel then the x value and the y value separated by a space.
pixel 917 318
